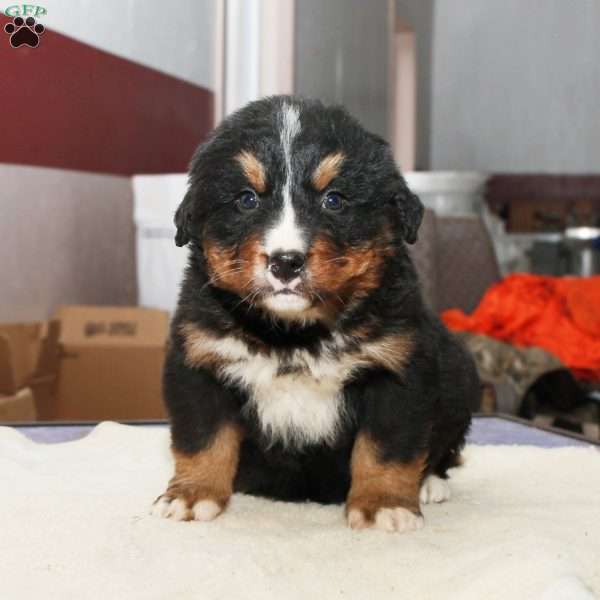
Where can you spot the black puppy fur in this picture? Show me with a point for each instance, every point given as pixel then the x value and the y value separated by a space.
pixel 388 388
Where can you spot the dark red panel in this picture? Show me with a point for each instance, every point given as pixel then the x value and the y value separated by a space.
pixel 66 104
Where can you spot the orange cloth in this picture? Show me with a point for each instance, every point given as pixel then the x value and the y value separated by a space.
pixel 559 314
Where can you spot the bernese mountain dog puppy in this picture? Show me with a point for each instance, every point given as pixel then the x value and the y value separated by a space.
pixel 303 364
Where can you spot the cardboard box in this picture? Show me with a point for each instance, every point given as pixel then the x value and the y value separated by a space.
pixel 111 363
pixel 18 407
pixel 28 370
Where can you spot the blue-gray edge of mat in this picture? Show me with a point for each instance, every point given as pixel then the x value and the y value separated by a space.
pixel 485 430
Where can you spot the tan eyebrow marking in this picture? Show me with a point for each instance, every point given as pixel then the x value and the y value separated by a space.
pixel 327 169
pixel 253 170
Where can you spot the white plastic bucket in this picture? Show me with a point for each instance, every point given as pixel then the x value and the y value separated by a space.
pixel 449 193
pixel 160 264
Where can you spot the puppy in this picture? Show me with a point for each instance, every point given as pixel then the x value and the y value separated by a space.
pixel 302 363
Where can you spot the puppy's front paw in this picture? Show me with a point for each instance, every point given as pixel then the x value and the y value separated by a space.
pixel 191 505
pixel 388 518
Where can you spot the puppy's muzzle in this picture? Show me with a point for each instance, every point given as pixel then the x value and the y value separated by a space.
pixel 286 266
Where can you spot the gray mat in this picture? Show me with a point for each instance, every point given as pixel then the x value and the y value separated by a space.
pixel 485 430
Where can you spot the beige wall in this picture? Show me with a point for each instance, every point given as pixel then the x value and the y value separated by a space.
pixel 65 237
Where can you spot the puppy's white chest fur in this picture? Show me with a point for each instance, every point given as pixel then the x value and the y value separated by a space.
pixel 296 408
pixel 297 399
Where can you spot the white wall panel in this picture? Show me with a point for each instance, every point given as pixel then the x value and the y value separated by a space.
pixel 174 36
pixel 516 85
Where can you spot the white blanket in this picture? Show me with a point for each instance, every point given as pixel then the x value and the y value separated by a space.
pixel 522 522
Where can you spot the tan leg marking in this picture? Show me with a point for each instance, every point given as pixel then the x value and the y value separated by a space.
pixel 384 495
pixel 203 482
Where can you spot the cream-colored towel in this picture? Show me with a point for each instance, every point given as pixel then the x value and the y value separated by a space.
pixel 522 522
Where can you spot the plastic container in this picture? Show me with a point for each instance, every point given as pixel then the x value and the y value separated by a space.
pixel 449 193
pixel 160 264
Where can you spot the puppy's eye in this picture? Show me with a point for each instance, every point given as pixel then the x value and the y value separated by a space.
pixel 333 201
pixel 247 201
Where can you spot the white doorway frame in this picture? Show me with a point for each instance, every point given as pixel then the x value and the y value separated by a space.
pixel 247 68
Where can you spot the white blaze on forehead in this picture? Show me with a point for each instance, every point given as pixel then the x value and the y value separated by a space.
pixel 285 234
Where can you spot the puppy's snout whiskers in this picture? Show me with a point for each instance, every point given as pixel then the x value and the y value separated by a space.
pixel 220 275
pixel 341 259
pixel 250 299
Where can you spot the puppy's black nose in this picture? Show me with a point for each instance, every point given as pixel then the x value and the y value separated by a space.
pixel 286 265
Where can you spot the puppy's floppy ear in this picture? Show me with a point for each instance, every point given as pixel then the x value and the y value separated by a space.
pixel 183 218
pixel 411 212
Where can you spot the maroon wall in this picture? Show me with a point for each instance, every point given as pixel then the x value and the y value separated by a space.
pixel 66 104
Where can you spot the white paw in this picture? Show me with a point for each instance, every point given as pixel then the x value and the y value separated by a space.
pixel 206 510
pixel 170 508
pixel 176 509
pixel 397 519
pixel 388 519
pixel 356 519
pixel 434 489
